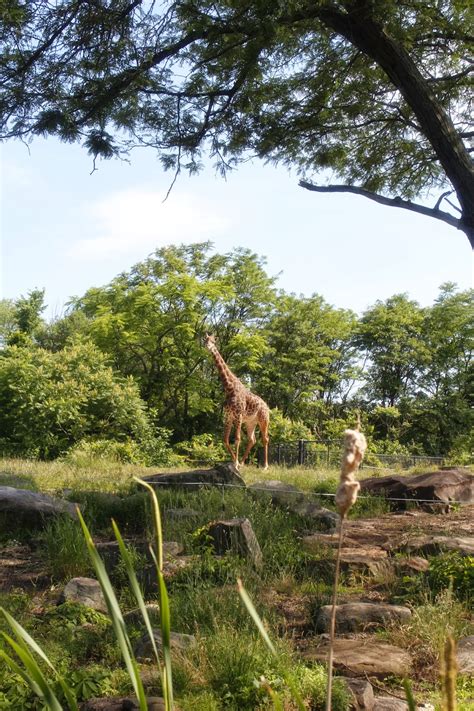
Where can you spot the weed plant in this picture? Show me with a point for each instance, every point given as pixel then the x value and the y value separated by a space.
pixel 65 549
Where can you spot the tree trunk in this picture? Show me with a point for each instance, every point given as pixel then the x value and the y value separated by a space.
pixel 367 35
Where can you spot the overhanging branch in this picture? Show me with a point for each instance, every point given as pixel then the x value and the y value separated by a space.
pixel 382 200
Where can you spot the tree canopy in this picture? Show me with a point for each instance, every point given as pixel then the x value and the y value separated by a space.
pixel 375 94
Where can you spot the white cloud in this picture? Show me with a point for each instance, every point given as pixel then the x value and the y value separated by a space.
pixel 137 220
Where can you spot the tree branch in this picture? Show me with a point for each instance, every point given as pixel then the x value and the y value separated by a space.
pixel 382 200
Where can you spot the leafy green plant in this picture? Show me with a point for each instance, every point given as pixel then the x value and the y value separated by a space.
pixel 202 449
pixel 455 571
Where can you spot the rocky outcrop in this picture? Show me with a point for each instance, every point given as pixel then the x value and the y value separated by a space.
pixel 441 487
pixel 389 703
pixel 361 692
pixel 235 535
pixel 220 474
pixel 22 507
pixel 361 616
pixel 84 591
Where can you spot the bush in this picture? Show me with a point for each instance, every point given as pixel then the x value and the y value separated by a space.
pixel 202 449
pixel 454 571
pixel 51 401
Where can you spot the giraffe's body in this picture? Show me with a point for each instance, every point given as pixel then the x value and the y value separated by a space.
pixel 241 407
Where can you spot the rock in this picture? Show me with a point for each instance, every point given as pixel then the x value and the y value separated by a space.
pixel 316 542
pixel 358 616
pixel 364 657
pixel 441 487
pixel 135 617
pixel 154 703
pixel 292 499
pixel 225 473
pixel 361 692
pixel 465 655
pixel 22 507
pixel 389 703
pixel 409 566
pixel 432 545
pixel 236 535
pixel 144 648
pixel 368 561
pixel 84 591
pixel 109 551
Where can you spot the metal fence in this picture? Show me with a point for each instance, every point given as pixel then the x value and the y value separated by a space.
pixel 313 453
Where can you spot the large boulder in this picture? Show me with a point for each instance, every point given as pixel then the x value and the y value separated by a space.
pixel 221 474
pixel 389 703
pixel 361 616
pixel 362 694
pixel 237 536
pixel 441 487
pixel 22 507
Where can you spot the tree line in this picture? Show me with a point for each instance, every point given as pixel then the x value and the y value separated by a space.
pixel 125 364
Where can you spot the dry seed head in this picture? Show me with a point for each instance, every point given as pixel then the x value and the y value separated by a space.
pixel 354 448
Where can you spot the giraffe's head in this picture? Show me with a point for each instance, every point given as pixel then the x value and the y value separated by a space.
pixel 209 342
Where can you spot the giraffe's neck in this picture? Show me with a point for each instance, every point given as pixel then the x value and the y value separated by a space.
pixel 226 375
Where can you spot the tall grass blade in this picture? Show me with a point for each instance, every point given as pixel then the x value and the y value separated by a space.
pixel 25 639
pixel 116 617
pixel 277 704
pixel 263 633
pixel 33 675
pixel 409 695
pixel 134 584
pixel 165 618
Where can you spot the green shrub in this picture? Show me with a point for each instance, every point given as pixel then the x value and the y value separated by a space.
pixel 202 449
pixel 65 548
pixel 455 571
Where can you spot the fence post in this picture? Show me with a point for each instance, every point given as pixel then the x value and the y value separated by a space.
pixel 278 453
pixel 301 451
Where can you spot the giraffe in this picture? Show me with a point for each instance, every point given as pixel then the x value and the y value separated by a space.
pixel 241 407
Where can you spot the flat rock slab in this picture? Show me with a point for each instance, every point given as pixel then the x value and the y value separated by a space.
pixel 465 655
pixel 359 616
pixel 237 536
pixel 84 591
pixel 221 474
pixel 361 657
pixel 439 487
pixel 22 507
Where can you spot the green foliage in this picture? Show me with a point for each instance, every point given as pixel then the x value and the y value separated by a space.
pixel 305 83
pixel 453 571
pixel 283 429
pixel 65 549
pixel 202 449
pixel 50 401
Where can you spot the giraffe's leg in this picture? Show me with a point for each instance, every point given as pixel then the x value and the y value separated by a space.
pixel 227 430
pixel 238 427
pixel 263 424
pixel 251 441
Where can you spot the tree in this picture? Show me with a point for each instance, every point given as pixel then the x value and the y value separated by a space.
pixel 443 407
pixel 27 319
pixel 375 92
pixel 151 322
pixel 7 320
pixel 391 333
pixel 309 360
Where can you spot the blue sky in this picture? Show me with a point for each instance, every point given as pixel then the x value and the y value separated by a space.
pixel 65 229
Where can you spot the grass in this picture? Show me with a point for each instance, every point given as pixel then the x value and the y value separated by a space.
pixel 224 668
